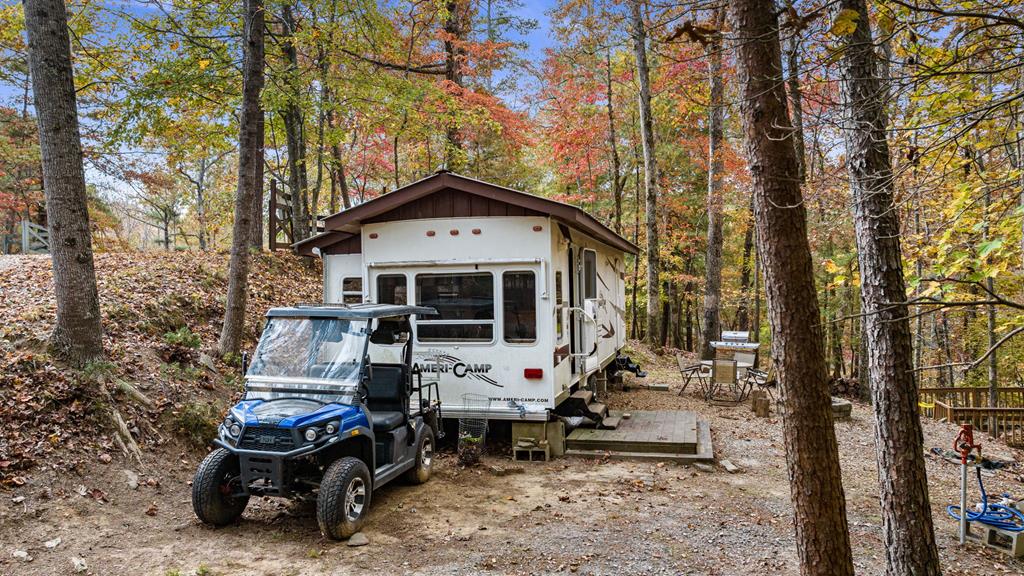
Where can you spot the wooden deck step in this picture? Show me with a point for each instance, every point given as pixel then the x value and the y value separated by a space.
pixel 661 432
pixel 610 422
pixel 583 395
pixel 598 408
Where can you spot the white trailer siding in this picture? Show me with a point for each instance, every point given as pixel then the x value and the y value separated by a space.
pixel 530 292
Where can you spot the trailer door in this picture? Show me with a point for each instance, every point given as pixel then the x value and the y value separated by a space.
pixel 574 320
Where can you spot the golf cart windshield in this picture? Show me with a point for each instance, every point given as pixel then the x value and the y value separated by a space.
pixel 316 358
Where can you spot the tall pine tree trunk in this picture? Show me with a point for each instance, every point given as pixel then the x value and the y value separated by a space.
pixel 712 329
pixel 650 170
pixel 795 98
pixel 250 147
pixel 908 535
pixel 77 333
pixel 819 505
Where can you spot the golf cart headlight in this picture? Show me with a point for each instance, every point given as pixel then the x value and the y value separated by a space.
pixel 331 427
pixel 235 430
pixel 310 434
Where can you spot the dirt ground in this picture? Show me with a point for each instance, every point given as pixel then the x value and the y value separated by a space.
pixel 568 516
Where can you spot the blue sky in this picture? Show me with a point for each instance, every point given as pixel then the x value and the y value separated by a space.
pixel 539 39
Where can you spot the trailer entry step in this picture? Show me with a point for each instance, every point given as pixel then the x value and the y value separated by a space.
pixel 583 395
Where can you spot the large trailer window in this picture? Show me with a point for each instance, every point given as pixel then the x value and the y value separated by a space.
pixel 464 304
pixel 392 289
pixel 519 295
pixel 589 274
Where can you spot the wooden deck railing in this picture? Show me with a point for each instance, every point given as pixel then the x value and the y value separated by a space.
pixel 1003 423
pixel 969 405
pixel 971 397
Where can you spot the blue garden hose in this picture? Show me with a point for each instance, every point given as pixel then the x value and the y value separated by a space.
pixel 995 515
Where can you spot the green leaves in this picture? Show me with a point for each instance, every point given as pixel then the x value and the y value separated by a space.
pixel 986 248
pixel 845 23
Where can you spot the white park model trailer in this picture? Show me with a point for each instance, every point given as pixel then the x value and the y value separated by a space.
pixel 530 292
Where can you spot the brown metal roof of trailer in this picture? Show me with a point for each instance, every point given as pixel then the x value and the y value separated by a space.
pixel 447 195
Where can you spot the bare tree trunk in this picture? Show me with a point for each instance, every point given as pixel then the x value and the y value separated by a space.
pixel 634 330
pixel 712 329
pixel 456 26
pixel 743 312
pixel 77 333
pixel 256 226
pixel 677 313
pixel 755 325
pixel 618 182
pixel 908 534
pixel 200 185
pixel 249 152
pixel 689 321
pixel 650 169
pixel 993 361
pixel 338 170
pixel 835 328
pixel 819 505
pixel 294 127
pixel 947 348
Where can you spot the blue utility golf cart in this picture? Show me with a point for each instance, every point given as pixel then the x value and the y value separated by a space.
pixel 320 419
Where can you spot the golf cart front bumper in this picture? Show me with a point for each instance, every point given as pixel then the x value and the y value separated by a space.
pixel 267 473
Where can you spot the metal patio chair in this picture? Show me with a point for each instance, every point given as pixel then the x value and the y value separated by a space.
pixel 744 357
pixel 724 388
pixel 762 380
pixel 693 371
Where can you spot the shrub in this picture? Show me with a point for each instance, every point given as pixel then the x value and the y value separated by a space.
pixel 182 337
pixel 198 422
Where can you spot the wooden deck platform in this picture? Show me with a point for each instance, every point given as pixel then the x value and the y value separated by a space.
pixel 665 434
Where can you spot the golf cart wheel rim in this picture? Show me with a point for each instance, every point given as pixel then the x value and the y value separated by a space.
pixel 355 499
pixel 427 453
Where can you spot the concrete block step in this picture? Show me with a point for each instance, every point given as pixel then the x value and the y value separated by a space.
pixel 598 408
pixel 610 422
pixel 583 395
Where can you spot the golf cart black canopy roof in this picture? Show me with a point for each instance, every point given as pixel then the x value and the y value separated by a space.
pixel 348 312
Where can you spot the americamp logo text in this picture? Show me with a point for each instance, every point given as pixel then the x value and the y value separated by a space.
pixel 448 364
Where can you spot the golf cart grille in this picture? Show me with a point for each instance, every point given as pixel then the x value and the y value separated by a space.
pixel 267 438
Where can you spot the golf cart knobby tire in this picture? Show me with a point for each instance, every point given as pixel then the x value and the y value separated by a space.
pixel 330 502
pixel 420 473
pixel 211 504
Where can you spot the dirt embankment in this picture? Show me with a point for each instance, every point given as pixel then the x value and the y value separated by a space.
pixel 162 314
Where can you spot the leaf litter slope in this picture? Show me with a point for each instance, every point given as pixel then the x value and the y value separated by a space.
pixel 161 315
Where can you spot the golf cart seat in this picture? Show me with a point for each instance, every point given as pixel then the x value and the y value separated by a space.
pixel 385 421
pixel 387 396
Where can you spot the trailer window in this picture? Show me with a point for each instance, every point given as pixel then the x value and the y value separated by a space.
pixel 391 289
pixel 352 290
pixel 464 304
pixel 519 295
pixel 589 274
